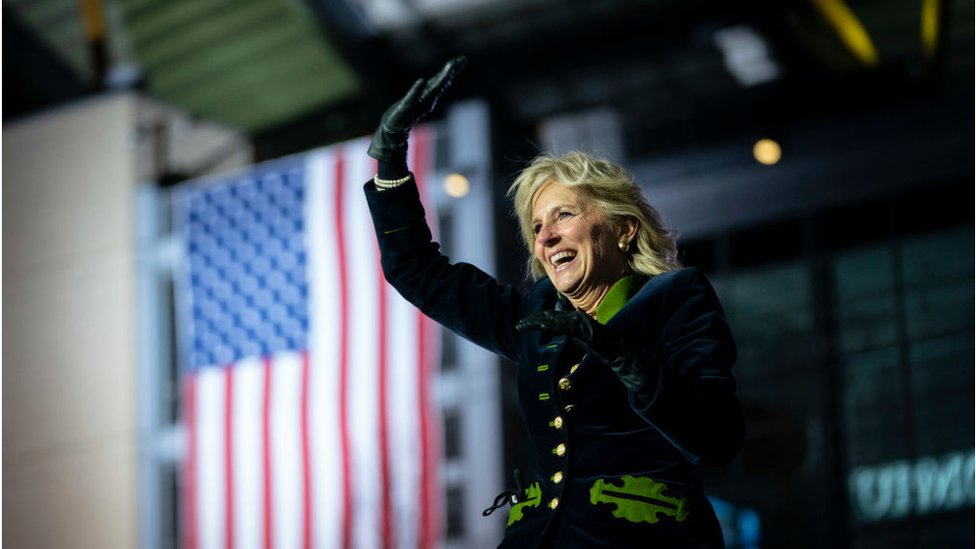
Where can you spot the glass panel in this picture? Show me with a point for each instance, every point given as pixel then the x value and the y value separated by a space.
pixel 779 375
pixel 938 274
pixel 874 407
pixel 771 316
pixel 942 391
pixel 939 310
pixel 944 255
pixel 867 337
pixel 904 330
pixel 863 285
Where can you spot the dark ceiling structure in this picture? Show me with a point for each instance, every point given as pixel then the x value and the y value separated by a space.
pixel 293 74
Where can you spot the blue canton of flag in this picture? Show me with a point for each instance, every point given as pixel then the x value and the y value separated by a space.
pixel 247 259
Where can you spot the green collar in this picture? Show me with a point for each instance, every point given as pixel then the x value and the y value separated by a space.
pixel 618 296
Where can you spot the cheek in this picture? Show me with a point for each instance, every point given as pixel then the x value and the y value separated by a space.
pixel 591 235
pixel 600 240
pixel 539 252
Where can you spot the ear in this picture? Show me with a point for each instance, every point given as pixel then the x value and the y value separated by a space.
pixel 627 229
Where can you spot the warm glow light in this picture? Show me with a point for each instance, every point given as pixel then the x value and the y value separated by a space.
pixel 767 152
pixel 456 185
pixel 849 29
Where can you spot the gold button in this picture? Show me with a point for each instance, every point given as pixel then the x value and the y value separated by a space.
pixel 558 422
pixel 573 368
pixel 560 449
pixel 553 503
pixel 569 408
pixel 557 477
pixel 565 384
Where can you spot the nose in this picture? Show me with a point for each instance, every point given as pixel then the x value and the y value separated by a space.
pixel 546 237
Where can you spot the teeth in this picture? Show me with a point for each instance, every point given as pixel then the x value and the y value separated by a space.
pixel 556 258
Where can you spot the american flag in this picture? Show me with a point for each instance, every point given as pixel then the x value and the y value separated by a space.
pixel 307 379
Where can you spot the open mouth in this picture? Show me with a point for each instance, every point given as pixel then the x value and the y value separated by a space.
pixel 560 259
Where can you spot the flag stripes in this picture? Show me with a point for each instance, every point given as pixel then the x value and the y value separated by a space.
pixel 306 390
pixel 229 455
pixel 429 435
pixel 343 326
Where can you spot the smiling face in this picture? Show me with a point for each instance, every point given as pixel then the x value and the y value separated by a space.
pixel 577 245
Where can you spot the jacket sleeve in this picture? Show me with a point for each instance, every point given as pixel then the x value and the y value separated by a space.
pixel 685 386
pixel 459 296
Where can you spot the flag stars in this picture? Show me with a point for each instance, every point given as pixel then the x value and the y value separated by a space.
pixel 247 267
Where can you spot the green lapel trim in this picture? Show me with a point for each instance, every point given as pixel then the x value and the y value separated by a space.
pixel 618 296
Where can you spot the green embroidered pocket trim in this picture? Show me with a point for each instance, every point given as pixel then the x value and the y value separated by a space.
pixel 543 396
pixel 639 499
pixel 533 496
pixel 542 368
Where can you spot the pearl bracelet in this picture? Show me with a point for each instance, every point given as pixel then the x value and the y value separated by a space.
pixel 390 183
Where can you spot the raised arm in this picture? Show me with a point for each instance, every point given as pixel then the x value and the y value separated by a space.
pixel 459 296
pixel 389 143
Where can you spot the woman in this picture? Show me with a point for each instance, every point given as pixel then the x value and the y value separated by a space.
pixel 624 359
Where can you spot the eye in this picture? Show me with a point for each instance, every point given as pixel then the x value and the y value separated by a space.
pixel 564 214
pixel 536 228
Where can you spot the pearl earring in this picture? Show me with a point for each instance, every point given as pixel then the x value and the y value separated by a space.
pixel 624 246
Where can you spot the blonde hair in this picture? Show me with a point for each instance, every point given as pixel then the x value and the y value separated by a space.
pixel 612 190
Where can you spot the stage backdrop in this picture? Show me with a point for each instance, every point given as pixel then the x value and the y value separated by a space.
pixel 307 379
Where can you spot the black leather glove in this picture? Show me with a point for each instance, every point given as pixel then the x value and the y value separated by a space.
pixel 389 144
pixel 576 325
pixel 594 338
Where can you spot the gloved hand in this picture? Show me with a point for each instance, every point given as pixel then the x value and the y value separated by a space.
pixel 597 340
pixel 576 325
pixel 389 144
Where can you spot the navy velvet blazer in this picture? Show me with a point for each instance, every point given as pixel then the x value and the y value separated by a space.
pixel 609 465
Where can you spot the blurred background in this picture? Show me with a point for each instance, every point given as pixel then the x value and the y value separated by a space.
pixel 816 158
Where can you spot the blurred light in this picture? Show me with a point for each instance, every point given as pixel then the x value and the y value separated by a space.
pixel 767 151
pixel 849 29
pixel 746 55
pixel 930 25
pixel 456 185
pixel 741 526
